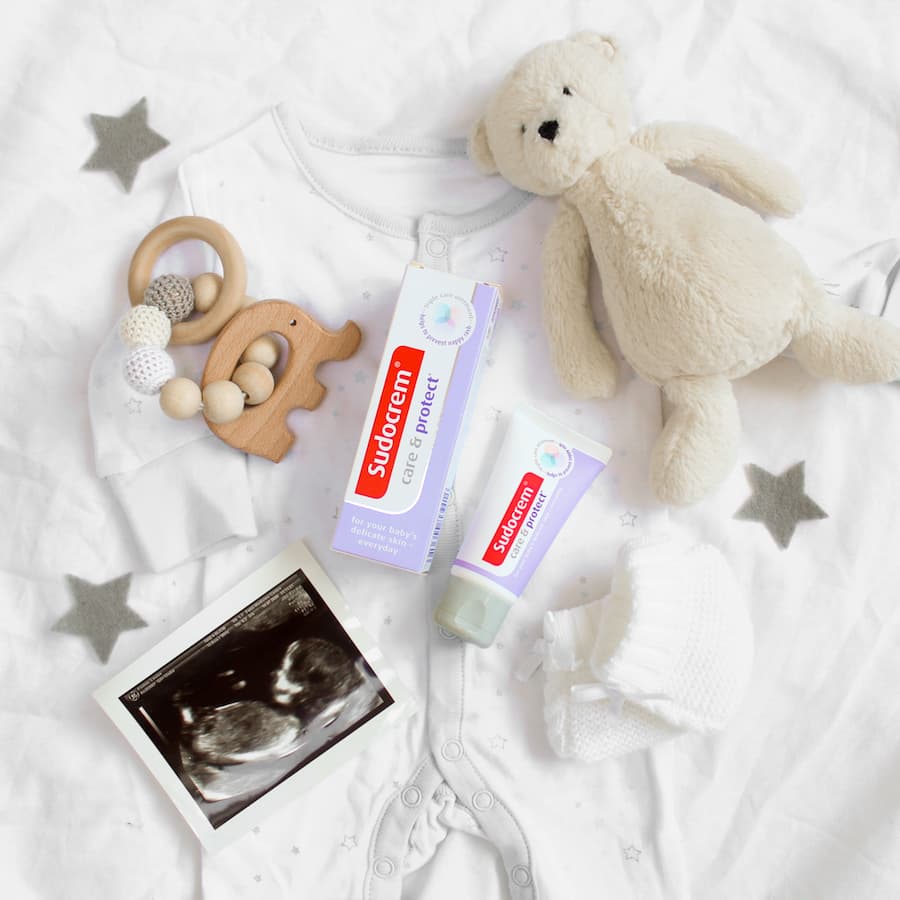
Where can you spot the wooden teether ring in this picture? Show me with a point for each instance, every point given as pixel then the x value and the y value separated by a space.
pixel 262 430
pixel 234 283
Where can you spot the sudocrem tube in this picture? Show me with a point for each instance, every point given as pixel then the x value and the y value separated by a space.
pixel 543 469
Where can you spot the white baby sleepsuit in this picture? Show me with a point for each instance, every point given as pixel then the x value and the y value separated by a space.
pixel 330 223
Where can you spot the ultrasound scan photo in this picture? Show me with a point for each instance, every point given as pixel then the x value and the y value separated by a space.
pixel 258 698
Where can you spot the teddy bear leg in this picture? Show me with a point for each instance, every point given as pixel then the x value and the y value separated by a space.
pixel 698 444
pixel 840 342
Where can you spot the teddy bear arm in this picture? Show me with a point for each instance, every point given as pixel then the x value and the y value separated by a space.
pixel 581 359
pixel 745 175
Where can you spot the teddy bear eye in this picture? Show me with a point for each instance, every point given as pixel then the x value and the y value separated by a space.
pixel 567 92
pixel 523 129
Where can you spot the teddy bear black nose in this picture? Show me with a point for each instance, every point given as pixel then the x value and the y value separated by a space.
pixel 548 130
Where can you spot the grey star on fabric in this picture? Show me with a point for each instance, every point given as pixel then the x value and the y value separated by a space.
pixel 100 613
pixel 779 502
pixel 123 143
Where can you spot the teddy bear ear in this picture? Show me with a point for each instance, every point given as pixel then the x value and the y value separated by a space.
pixel 602 42
pixel 480 150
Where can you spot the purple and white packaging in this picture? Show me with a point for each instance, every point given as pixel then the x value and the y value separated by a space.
pixel 406 460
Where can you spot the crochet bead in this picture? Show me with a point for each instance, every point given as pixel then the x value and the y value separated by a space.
pixel 263 350
pixel 145 326
pixel 223 402
pixel 206 290
pixel 180 398
pixel 147 369
pixel 173 294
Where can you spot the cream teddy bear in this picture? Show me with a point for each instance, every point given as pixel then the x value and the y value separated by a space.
pixel 698 289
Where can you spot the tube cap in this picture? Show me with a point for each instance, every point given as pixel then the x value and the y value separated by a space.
pixel 471 612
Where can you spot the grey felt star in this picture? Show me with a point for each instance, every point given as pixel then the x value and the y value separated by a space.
pixel 498 254
pixel 779 502
pixel 123 143
pixel 632 854
pixel 100 613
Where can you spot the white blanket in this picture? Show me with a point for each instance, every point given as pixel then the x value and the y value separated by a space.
pixel 800 798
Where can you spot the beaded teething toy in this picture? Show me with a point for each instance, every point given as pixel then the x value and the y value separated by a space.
pixel 238 394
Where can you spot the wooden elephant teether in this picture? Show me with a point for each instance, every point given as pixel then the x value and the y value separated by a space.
pixel 262 430
pixel 242 404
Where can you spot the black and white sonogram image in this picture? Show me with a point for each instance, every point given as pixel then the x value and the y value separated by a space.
pixel 256 699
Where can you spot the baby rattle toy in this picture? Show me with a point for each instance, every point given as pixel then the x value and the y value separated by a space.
pixel 238 394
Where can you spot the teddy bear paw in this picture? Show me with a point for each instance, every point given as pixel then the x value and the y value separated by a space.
pixel 588 375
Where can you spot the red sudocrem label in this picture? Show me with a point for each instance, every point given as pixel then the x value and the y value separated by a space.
pixel 513 518
pixel 387 429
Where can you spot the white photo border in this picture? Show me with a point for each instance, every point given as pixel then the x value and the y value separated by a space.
pixel 296 556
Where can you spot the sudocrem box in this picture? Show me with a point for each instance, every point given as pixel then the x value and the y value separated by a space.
pixel 406 460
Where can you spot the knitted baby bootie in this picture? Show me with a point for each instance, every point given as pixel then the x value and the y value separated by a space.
pixel 668 650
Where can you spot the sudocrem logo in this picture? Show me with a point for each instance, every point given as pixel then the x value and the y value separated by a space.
pixel 515 514
pixel 387 429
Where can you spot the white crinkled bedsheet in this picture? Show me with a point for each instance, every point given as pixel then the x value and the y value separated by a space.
pixel 800 799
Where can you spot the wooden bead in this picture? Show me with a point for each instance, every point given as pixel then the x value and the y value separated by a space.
pixel 180 398
pixel 206 290
pixel 223 402
pixel 255 380
pixel 264 350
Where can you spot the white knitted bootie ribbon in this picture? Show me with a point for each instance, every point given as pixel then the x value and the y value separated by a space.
pixel 668 650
